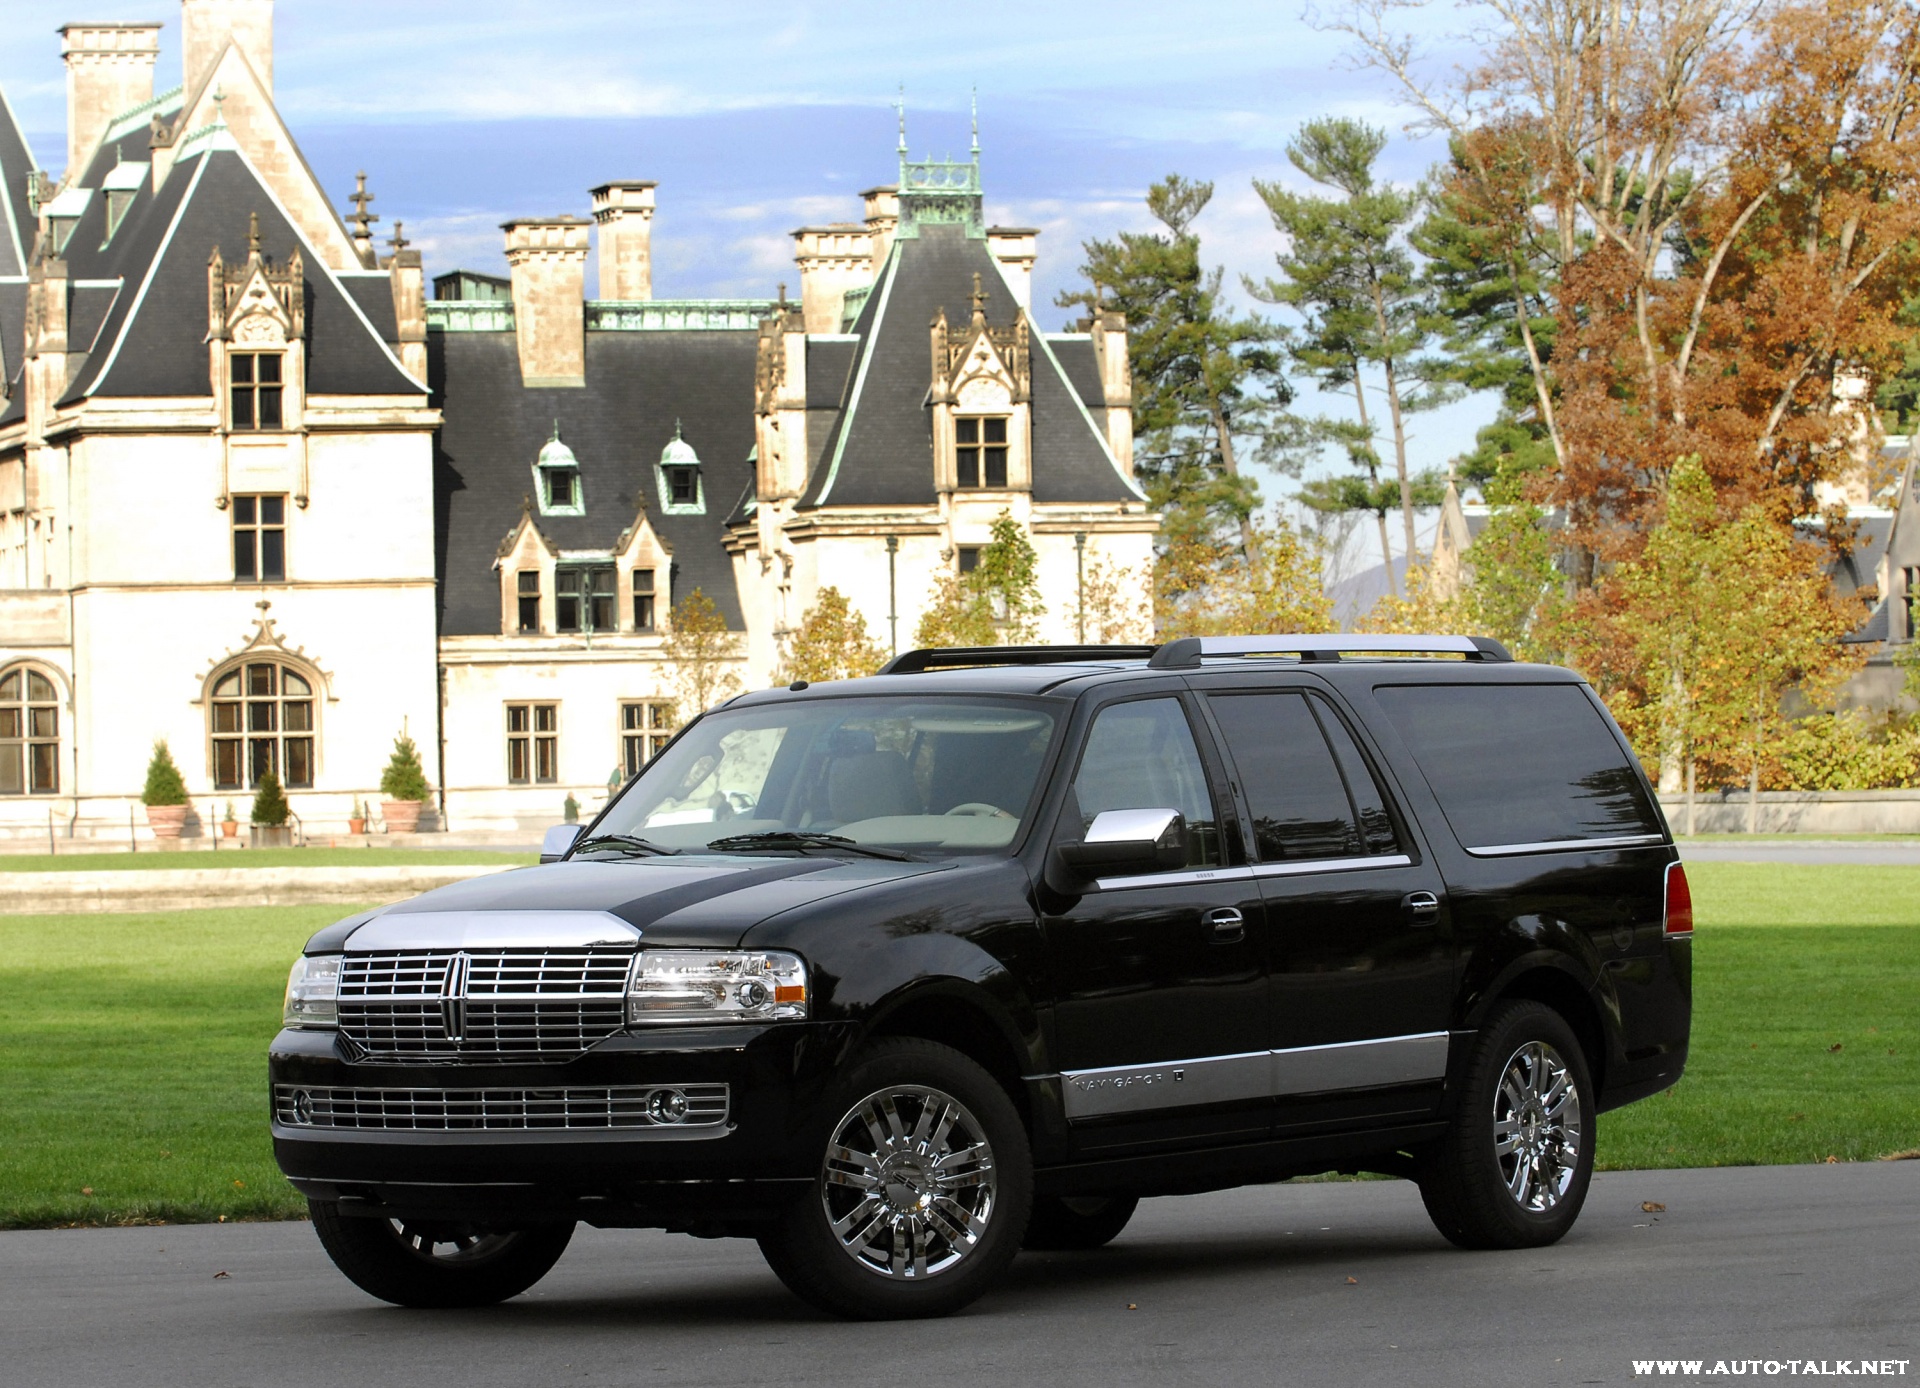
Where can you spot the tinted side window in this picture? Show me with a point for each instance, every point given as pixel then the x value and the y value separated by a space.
pixel 1370 804
pixel 1299 802
pixel 1141 756
pixel 1520 763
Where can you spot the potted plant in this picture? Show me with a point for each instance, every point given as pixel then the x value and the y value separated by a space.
pixel 229 826
pixel 357 818
pixel 165 795
pixel 270 829
pixel 404 787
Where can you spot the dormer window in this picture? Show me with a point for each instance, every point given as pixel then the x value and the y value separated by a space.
pixel 122 186
pixel 63 214
pixel 682 490
pixel 980 451
pixel 557 481
pixel 255 382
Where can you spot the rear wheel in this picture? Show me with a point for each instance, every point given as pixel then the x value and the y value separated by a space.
pixel 437 1263
pixel 1061 1223
pixel 924 1185
pixel 1513 1169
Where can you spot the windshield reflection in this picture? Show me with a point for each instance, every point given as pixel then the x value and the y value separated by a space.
pixel 926 775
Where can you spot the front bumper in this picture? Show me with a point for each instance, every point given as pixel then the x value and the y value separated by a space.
pixel 690 1176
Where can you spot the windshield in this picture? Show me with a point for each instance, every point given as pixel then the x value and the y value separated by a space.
pixel 952 775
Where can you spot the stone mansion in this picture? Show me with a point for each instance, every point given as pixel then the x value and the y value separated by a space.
pixel 263 497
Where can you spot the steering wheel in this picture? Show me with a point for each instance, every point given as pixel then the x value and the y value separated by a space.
pixel 980 809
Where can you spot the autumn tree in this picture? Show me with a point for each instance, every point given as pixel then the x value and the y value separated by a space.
pixel 831 643
pixel 1209 391
pixel 701 652
pixel 997 603
pixel 1269 584
pixel 1725 615
pixel 1347 270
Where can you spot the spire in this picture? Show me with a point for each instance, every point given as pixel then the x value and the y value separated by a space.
pixel 363 220
pixel 399 242
pixel 976 125
pixel 253 235
pixel 980 297
pixel 900 108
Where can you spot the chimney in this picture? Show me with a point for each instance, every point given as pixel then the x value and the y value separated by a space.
pixel 205 27
pixel 109 71
pixel 1109 331
pixel 1014 248
pixel 624 213
pixel 883 219
pixel 407 278
pixel 548 257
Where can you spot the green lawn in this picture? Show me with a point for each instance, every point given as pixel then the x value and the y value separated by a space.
pixel 257 858
pixel 132 1074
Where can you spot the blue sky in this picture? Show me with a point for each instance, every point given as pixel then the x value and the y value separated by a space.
pixel 756 118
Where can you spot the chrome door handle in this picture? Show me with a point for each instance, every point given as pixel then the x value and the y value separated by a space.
pixel 1227 924
pixel 1422 907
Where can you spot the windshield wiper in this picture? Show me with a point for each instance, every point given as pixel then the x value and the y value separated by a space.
pixel 804 839
pixel 627 843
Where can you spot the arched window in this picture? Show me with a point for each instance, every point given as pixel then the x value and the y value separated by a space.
pixel 29 733
pixel 261 716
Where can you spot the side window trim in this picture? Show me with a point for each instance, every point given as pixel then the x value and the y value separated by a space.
pixel 1374 765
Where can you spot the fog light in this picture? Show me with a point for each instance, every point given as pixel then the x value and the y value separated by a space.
pixel 302 1106
pixel 667 1106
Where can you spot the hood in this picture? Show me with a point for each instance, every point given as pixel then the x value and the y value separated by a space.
pixel 711 901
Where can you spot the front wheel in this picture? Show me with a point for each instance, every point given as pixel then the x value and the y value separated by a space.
pixel 925 1183
pixel 435 1263
pixel 1513 1168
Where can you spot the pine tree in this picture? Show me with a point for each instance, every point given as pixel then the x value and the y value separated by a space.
pixel 269 801
pixel 1209 394
pixel 404 777
pixel 165 785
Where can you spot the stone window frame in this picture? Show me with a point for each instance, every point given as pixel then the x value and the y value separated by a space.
pixel 242 717
pixel 981 445
pixel 533 741
pixel 646 726
pixel 249 511
pixel 256 389
pixel 22 732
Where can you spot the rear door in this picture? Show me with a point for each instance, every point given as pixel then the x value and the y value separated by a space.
pixel 1161 983
pixel 1360 953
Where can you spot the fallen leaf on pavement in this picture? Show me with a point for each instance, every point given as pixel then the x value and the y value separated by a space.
pixel 1353 1281
pixel 1132 1307
pixel 1652 1207
pixel 223 1273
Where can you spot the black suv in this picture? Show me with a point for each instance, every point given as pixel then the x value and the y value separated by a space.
pixel 899 974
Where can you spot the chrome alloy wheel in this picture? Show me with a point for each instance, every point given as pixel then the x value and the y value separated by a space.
pixel 447 1243
pixel 909 1183
pixel 1537 1126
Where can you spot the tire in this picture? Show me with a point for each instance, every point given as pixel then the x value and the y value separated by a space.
pixel 1513 1168
pixel 924 1165
pixel 1066 1223
pixel 436 1264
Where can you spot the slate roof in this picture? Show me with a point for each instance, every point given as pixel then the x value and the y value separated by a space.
pixel 16 218
pixel 152 342
pixel 638 385
pixel 1877 627
pixel 880 449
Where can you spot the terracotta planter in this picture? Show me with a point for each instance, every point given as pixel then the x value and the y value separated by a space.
pixel 356 826
pixel 401 816
pixel 166 821
pixel 229 828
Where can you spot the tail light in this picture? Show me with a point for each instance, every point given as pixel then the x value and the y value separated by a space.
pixel 1678 916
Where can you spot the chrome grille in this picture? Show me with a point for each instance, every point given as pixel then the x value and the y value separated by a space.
pixel 494 1110
pixel 496 1005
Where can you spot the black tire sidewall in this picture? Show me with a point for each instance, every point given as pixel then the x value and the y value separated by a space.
pixel 1055 1227
pixel 1462 1184
pixel 801 1246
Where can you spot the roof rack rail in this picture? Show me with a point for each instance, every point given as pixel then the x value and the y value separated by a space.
pixel 1188 651
pixel 959 657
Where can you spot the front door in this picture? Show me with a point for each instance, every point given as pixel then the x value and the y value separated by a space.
pixel 1161 1001
pixel 1361 961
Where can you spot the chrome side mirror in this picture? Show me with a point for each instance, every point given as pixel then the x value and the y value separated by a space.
pixel 558 842
pixel 1120 843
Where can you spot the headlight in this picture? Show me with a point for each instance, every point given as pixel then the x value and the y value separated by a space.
pixel 710 985
pixel 312 988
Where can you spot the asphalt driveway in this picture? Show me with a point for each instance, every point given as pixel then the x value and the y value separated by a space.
pixel 1323 1284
